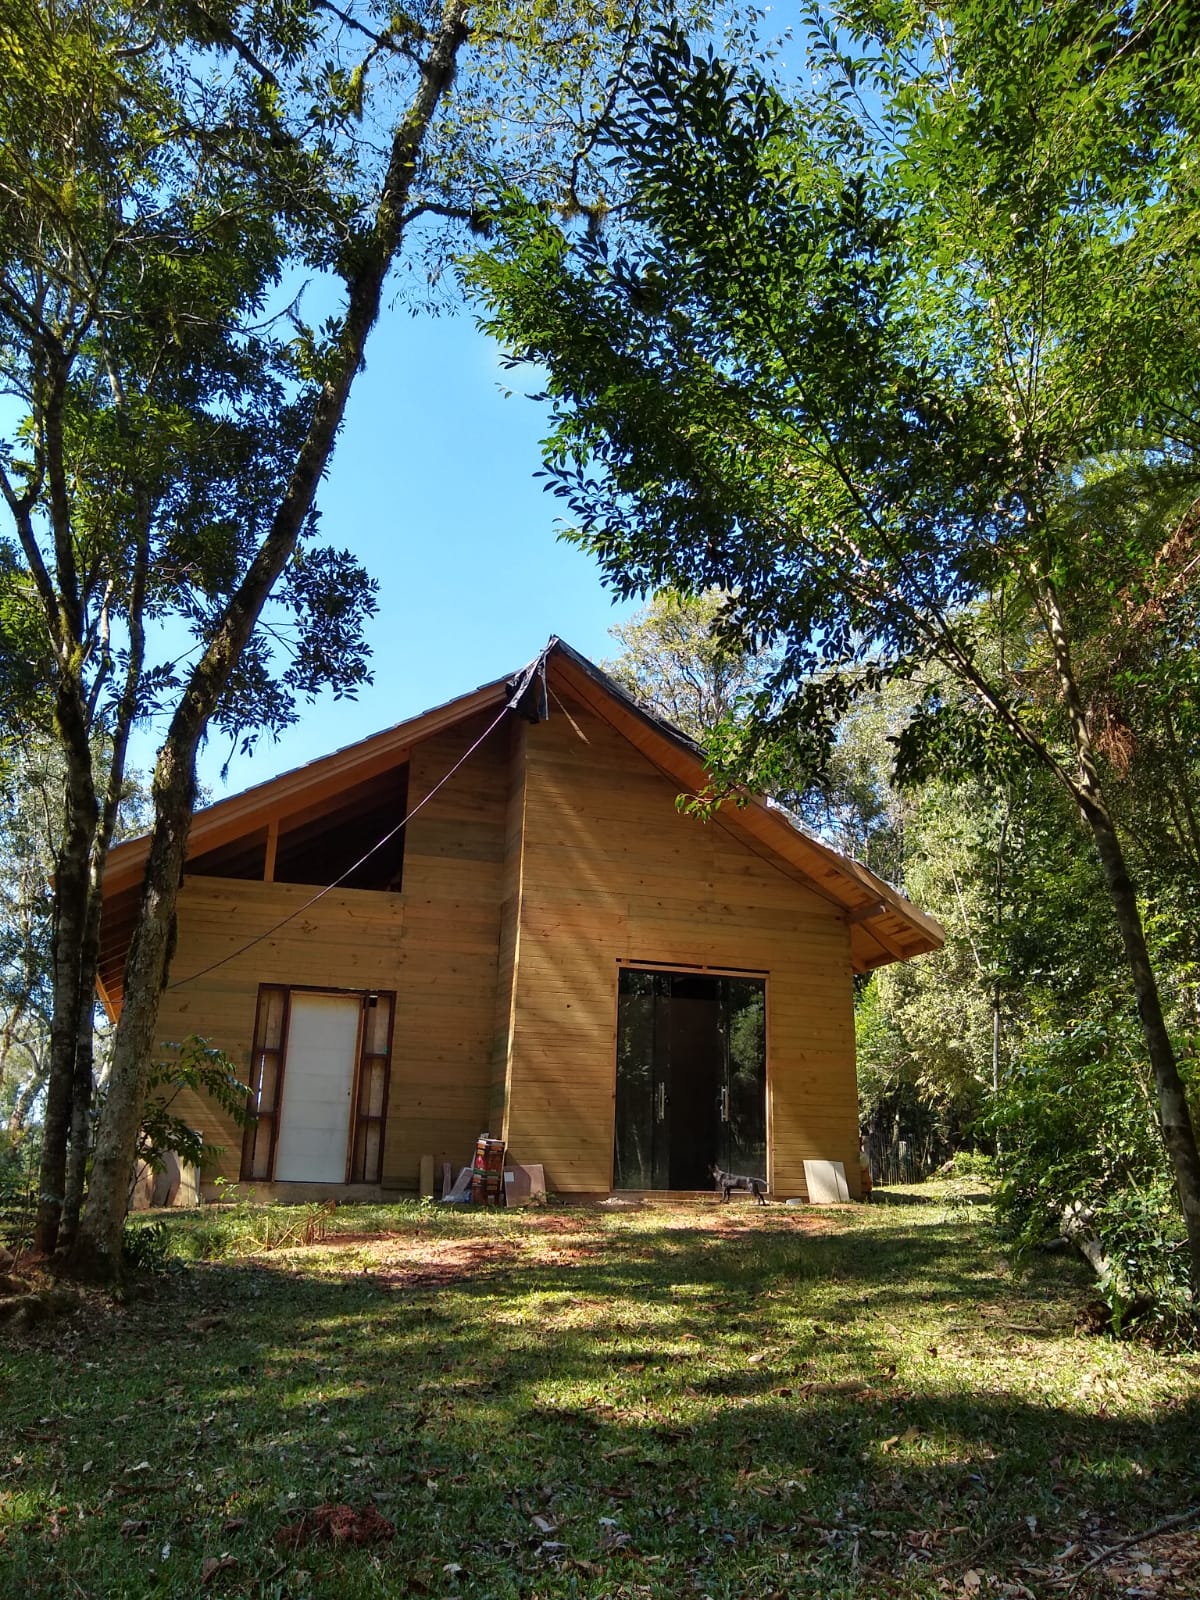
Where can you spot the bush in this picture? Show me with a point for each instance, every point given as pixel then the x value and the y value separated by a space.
pixel 1149 1290
pixel 200 1068
pixel 146 1247
pixel 1081 1149
pixel 244 1227
pixel 970 1164
pixel 18 1193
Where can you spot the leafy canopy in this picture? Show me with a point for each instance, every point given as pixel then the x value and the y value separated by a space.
pixel 857 342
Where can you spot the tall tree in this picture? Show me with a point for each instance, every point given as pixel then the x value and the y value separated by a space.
pixel 365 256
pixel 29 810
pixel 854 353
pixel 148 208
pixel 31 816
pixel 164 178
pixel 676 662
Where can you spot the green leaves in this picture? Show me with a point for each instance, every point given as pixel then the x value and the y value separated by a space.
pixel 1081 1143
pixel 194 1068
pixel 849 377
pixel 903 360
pixel 677 662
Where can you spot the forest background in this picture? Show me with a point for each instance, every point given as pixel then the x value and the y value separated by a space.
pixel 903 364
pixel 913 392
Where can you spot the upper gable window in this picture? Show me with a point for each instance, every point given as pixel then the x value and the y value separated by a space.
pixel 326 845
pixel 326 842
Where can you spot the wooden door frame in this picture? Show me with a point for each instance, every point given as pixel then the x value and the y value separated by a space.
pixel 288 990
pixel 356 1092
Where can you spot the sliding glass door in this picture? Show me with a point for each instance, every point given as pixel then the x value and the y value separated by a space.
pixel 691 1078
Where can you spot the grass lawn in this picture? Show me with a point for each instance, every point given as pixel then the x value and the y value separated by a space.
pixel 688 1400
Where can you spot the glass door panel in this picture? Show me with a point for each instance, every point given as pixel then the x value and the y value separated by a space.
pixel 640 1090
pixel 744 1124
pixel 695 1073
pixel 691 1079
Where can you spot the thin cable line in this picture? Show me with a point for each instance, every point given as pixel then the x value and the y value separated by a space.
pixel 378 845
pixel 569 717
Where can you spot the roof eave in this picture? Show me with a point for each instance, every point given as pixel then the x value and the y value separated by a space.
pixel 900 929
pixel 242 813
pixel 846 883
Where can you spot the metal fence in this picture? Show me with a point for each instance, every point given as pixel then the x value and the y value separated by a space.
pixel 904 1155
pixel 897 1163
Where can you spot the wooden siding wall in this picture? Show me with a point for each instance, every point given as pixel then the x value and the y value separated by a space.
pixel 446 1008
pixel 435 944
pixel 351 939
pixel 612 872
pixel 510 913
pixel 555 854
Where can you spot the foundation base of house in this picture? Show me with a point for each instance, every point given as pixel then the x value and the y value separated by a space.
pixel 367 1194
pixel 344 1194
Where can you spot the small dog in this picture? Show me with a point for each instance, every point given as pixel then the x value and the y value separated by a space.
pixel 729 1182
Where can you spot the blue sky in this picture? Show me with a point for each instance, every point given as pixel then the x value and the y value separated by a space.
pixel 433 487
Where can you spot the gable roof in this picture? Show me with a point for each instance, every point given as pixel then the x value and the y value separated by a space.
pixel 884 925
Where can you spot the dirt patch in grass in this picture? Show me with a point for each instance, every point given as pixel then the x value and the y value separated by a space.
pixel 339 1524
pixel 31 1296
pixel 431 1264
pixel 420 1257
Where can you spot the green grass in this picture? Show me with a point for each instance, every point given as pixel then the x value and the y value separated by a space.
pixel 687 1400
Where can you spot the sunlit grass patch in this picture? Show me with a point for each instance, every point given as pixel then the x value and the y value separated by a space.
pixel 677 1400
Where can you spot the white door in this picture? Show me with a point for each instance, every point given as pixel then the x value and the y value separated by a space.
pixel 318 1082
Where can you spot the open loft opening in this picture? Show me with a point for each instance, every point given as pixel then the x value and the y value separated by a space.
pixel 324 843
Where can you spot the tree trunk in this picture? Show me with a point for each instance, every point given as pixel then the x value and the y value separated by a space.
pixel 81 1096
pixel 24 1102
pixel 89 963
pixel 97 1249
pixel 70 923
pixel 1077 1230
pixel 63 612
pixel 997 994
pixel 1174 1115
pixel 1175 1122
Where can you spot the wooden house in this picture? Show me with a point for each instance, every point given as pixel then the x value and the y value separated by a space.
pixel 495 916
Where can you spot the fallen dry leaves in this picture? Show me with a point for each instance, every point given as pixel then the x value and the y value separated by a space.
pixel 336 1524
pixel 1165 1566
pixel 212 1566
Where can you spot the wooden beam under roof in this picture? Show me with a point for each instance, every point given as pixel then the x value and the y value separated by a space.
pixel 891 946
pixel 304 787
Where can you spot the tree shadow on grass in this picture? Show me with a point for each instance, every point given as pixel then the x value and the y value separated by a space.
pixel 788 1412
pixel 905 1197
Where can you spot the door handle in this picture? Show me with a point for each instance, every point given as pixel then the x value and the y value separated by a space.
pixel 660 1101
pixel 725 1104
